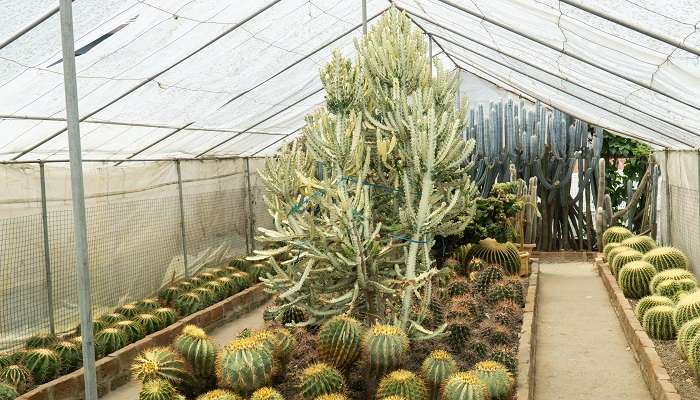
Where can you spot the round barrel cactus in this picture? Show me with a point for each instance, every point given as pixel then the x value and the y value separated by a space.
pixel 286 343
pixel 206 276
pixel 218 290
pixel 149 304
pixel 616 234
pixel 228 284
pixel 241 280
pixel 496 334
pixel 129 311
pixel 614 253
pixel 634 279
pixel 159 363
pixel 622 259
pixel 219 394
pixel 504 290
pixel 166 314
pixel 43 364
pixel 693 351
pixel 266 393
pixel 503 254
pixel 685 334
pixel 206 295
pixel 496 377
pixel 291 315
pixel 41 340
pixel 647 302
pixel 663 258
pixel 18 376
pixel 384 348
pixel 110 340
pixel 488 276
pixel 507 357
pixel 458 286
pixel 197 349
pixel 670 274
pixel 673 288
pixel 270 341
pixel 319 379
pixel 112 318
pixel 402 383
pixel 71 355
pixel 149 323
pixel 688 308
pixel 157 389
pixel 188 303
pixel 436 368
pixel 239 263
pixel 169 293
pixel 186 286
pixel 336 396
pixel 658 323
pixel 464 386
pixel 132 329
pixel 608 247
pixel 244 365
pixel 640 243
pixel 7 391
pixel 339 341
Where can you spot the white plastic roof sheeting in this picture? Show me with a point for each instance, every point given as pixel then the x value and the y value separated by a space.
pixel 231 77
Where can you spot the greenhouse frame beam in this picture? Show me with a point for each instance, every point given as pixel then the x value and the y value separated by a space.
pixel 155 143
pixel 150 78
pixel 564 52
pixel 654 35
pixel 29 27
pixel 260 122
pixel 276 141
pixel 521 60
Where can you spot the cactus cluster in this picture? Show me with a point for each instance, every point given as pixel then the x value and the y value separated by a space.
pixel 70 354
pixel 496 377
pixel 614 253
pixel 41 340
pixel 44 364
pixel 663 258
pixel 616 234
pixel 339 341
pixel 506 290
pixel 436 368
pixel 503 254
pixel 244 365
pixel 688 308
pixel 685 334
pixel 608 248
pixel 640 243
pixel 670 274
pixel 404 384
pixel 673 288
pixel 18 376
pixel 658 322
pixel 7 391
pixel 319 379
pixel 384 347
pixel 634 279
pixel 622 259
pixel 464 386
pixel 647 302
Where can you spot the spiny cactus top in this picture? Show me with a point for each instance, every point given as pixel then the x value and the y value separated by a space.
pixel 488 276
pixel 437 367
pixel 7 391
pixel 319 379
pixel 339 341
pixel 640 243
pixel 244 365
pixel 402 383
pixel 18 376
pixel 333 396
pixel 70 354
pixel 673 288
pixel 685 334
pixel 158 363
pixel 197 349
pixel 608 247
pixel 286 342
pixel 688 308
pixel 663 258
pixel 623 258
pixel 44 364
pixel 616 234
pixel 670 274
pixel 41 340
pixel 270 341
pixel 496 377
pixel 219 394
pixel 647 302
pixel 503 254
pixel 658 323
pixel 464 386
pixel 129 310
pixel 384 348
pixel 634 279
pixel 157 389
pixel 693 351
pixel 266 393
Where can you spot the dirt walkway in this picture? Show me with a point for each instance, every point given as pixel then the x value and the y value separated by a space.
pixel 222 335
pixel 581 349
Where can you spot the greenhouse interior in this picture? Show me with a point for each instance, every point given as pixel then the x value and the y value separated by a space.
pixel 349 199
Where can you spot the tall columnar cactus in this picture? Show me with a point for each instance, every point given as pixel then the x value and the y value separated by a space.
pixel 614 252
pixel 129 310
pixel 673 288
pixel 159 363
pixel 488 276
pixel 219 394
pixel 266 393
pixel 670 274
pixel 44 364
pixel 685 334
pixel 70 354
pixel 197 349
pixel 7 391
pixel 640 243
pixel 319 379
pixel 18 376
pixel 688 308
pixel 647 302
pixel 157 389
pixel 404 384
pixel 188 303
pixel 465 386
pixel 616 234
pixel 496 377
pixel 608 248
pixel 658 322
pixel 634 279
pixel 339 341
pixel 436 368
pixel 244 365
pixel 384 348
pixel 623 258
pixel 503 254
pixel 41 340
pixel 663 258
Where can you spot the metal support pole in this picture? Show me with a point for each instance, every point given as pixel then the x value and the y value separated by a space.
pixel 430 54
pixel 630 213
pixel 47 255
pixel 251 214
pixel 78 193
pixel 667 187
pixel 182 219
pixel 364 17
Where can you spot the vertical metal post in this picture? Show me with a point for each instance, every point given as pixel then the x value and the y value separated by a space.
pixel 251 213
pixel 182 218
pixel 47 255
pixel 630 213
pixel 248 238
pixel 667 187
pixel 430 54
pixel 78 194
pixel 364 17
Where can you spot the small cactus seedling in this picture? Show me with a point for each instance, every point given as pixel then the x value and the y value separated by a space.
pixel 640 243
pixel 157 389
pixel 166 314
pixel 197 349
pixel 496 377
pixel 43 364
pixel 188 303
pixel 149 323
pixel 616 234
pixel 18 376
pixel 266 393
pixel 132 329
pixel 673 288
pixel 685 334
pixel 464 386
pixel 622 259
pixel 219 394
pixel 503 254
pixel 404 384
pixel 688 308
pixel 670 274
pixel 169 293
pixel 663 258
pixel 291 315
pixel 487 277
pixel 70 354
pixel 41 340
pixel 384 348
pixel 614 253
pixel 436 368
pixel 339 341
pixel 658 322
pixel 608 247
pixel 458 286
pixel 507 357
pixel 634 279
pixel 648 302
pixel 244 365
pixel 149 304
pixel 158 363
pixel 319 379
pixel 129 310
pixel 7 392
pixel 110 340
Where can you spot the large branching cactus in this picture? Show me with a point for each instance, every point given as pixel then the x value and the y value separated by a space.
pixel 378 173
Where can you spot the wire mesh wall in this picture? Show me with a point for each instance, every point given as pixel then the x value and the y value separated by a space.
pixel 134 236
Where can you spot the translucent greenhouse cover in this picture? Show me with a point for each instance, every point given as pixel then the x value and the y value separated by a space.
pixel 201 78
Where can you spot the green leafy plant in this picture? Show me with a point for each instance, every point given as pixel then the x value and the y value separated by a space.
pixel 493 216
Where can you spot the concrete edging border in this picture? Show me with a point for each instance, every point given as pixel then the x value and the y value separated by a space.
pixel 527 346
pixel 653 371
pixel 113 370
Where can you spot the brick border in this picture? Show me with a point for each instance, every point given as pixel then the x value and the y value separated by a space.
pixel 564 256
pixel 113 369
pixel 527 346
pixel 655 375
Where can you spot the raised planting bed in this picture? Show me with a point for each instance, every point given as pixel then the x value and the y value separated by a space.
pixel 652 355
pixel 113 369
pixel 525 387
